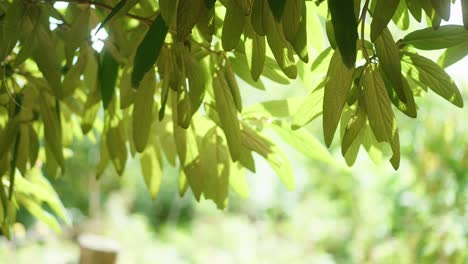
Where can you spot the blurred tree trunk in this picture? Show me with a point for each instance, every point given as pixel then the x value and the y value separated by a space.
pixel 97 250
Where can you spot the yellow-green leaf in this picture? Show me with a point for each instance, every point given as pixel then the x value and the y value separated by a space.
pixel 338 82
pixel 143 111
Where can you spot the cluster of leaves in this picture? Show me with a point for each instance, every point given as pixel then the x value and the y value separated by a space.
pixel 167 82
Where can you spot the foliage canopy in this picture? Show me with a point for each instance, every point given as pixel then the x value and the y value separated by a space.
pixel 165 85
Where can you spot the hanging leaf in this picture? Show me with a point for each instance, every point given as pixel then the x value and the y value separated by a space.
pixel 389 58
pixel 10 26
pixel 274 156
pixel 464 5
pixel 300 40
pixel 383 13
pixel 48 62
pixel 116 145
pixel 281 48
pixel 338 82
pixel 255 49
pixel 226 108
pixel 151 169
pixel 277 8
pixel 217 173
pixel 168 10
pixel 108 72
pixel 148 51
pixel 233 25
pixel 354 127
pixel 142 117
pixel 376 98
pixel 381 118
pixel 442 7
pixel 293 10
pixel 260 8
pixel 52 128
pixel 233 86
pixel 345 29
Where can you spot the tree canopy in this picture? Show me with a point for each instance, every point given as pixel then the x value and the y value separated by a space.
pixel 167 85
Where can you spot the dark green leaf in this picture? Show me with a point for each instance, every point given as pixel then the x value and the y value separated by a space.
pixel 148 50
pixel 108 72
pixel 345 29
pixel 383 13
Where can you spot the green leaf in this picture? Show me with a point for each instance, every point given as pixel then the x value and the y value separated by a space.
pixel 226 108
pixel 78 34
pixel 415 8
pixel 238 181
pixel 260 8
pixel 233 86
pixel 338 82
pixel 281 48
pixel 277 8
pixel 389 58
pixel 168 10
pixel 199 78
pixel 189 155
pixel 217 172
pixel 255 49
pixel 408 107
pixel 345 29
pixel 116 145
pixel 210 3
pixel 442 7
pixel 353 129
pixel 292 17
pixel 143 111
pixel 39 213
pixel 151 169
pixel 184 108
pixel 148 51
pixel 274 156
pixel 305 143
pixel 379 112
pixel 246 5
pixel 11 27
pixel 274 108
pixel 401 17
pixel 300 40
pixel 311 108
pixel 383 13
pixel 431 39
pixel 453 55
pixel 108 72
pixel 365 137
pixel 188 14
pixel 464 5
pixel 122 7
pixel 233 26
pixel 52 128
pixel 432 75
pixel 48 62
pixel 378 103
pixel 238 65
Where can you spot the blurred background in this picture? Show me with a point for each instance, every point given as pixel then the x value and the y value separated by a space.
pixel 368 213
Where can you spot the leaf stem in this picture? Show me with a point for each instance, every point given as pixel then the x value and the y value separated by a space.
pixel 365 9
